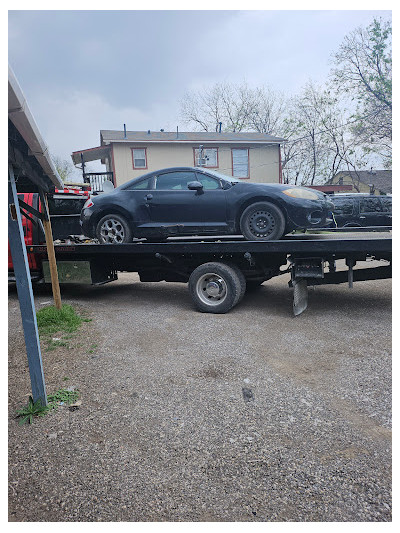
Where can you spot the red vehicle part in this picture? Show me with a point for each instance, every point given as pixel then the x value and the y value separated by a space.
pixel 32 232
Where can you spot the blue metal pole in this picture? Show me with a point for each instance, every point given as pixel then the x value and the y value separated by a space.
pixel 25 293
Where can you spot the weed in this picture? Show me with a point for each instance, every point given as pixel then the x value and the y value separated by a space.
pixel 62 396
pixel 92 348
pixel 32 409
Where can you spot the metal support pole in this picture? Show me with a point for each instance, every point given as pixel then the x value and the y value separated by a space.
pixel 25 294
pixel 350 263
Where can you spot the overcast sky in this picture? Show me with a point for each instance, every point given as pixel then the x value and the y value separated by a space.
pixel 83 71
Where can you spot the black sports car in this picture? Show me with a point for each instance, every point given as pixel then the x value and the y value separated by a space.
pixel 195 201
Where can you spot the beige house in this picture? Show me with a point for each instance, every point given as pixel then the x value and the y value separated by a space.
pixel 366 181
pixel 128 154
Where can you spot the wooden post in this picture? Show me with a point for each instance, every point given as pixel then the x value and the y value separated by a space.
pixel 50 253
pixel 25 294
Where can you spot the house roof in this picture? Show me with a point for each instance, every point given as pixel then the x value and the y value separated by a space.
pixel 381 179
pixel 108 136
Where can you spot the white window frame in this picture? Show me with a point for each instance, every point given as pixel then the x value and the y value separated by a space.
pixel 133 157
pixel 248 163
pixel 196 157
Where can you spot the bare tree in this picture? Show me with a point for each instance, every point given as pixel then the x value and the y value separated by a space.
pixel 238 106
pixel 363 72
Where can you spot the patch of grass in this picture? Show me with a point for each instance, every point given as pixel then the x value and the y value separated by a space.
pixel 64 321
pixel 35 409
pixel 51 320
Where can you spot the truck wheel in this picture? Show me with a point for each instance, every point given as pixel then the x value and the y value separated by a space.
pixel 262 221
pixel 113 229
pixel 215 287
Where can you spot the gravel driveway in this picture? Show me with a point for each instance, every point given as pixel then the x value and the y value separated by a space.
pixel 249 416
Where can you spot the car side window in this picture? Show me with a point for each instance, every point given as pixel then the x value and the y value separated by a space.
pixel 370 205
pixel 343 206
pixel 208 182
pixel 386 204
pixel 174 181
pixel 140 185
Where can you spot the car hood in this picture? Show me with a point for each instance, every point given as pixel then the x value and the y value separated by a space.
pixel 280 187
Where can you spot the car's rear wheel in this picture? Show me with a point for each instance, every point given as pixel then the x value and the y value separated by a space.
pixel 216 287
pixel 113 229
pixel 262 221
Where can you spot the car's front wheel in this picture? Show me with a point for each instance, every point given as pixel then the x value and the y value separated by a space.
pixel 262 221
pixel 113 229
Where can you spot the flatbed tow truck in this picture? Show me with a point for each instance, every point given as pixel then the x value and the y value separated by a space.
pixel 218 270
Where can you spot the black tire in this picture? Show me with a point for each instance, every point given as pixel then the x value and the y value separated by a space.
pixel 215 287
pixel 113 229
pixel 242 282
pixel 262 221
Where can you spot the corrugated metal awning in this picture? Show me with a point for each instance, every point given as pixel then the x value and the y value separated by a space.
pixel 22 118
pixel 90 154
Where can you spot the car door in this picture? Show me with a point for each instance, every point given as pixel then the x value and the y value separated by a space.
pixel 344 210
pixel 172 203
pixel 387 210
pixel 371 211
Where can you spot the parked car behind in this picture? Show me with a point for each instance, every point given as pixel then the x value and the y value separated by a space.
pixel 361 210
pixel 194 201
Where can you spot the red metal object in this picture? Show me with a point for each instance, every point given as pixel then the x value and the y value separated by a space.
pixel 27 226
pixel 31 232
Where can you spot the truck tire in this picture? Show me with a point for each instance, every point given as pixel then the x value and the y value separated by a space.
pixel 215 287
pixel 113 229
pixel 262 221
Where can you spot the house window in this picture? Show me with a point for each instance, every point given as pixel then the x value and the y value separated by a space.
pixel 139 157
pixel 240 162
pixel 210 155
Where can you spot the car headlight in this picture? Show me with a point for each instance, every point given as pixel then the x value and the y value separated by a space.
pixel 304 194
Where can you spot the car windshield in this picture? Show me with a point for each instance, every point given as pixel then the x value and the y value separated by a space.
pixel 219 175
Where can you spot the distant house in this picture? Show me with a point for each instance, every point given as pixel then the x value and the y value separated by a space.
pixel 369 181
pixel 128 154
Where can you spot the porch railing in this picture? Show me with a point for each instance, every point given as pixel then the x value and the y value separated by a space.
pixel 96 179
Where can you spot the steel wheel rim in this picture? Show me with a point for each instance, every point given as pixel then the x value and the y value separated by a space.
pixel 261 223
pixel 112 231
pixel 211 289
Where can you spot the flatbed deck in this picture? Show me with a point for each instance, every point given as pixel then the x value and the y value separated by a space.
pixel 310 258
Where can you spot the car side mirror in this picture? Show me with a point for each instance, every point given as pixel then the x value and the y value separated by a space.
pixel 195 186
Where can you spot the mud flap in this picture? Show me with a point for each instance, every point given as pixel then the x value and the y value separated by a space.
pixel 300 296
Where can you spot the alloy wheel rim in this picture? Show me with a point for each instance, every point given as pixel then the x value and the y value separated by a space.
pixel 112 231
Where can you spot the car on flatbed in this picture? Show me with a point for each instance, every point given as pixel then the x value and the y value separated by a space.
pixel 195 201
